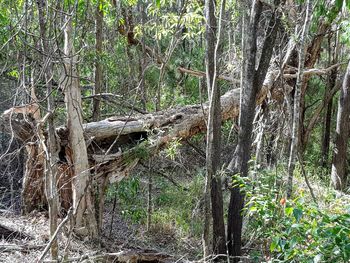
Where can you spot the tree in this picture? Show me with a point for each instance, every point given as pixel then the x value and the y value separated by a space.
pixel 98 64
pixel 213 151
pixel 294 149
pixel 339 163
pixel 83 203
pixel 252 81
pixel 51 143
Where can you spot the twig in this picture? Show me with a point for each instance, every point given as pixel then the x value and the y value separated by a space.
pixel 306 179
pixel 40 259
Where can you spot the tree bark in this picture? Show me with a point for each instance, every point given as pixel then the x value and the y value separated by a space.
pixel 51 143
pixel 213 151
pixel 326 136
pixel 252 81
pixel 98 63
pixel 294 149
pixel 339 163
pixel 83 204
pixel 331 82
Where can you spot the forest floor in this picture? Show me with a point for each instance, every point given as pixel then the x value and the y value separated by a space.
pixel 123 236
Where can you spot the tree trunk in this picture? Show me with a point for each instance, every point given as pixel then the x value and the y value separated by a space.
pixel 294 149
pixel 252 81
pixel 239 164
pixel 83 204
pixel 213 151
pixel 51 143
pixel 326 136
pixel 98 63
pixel 331 83
pixel 339 164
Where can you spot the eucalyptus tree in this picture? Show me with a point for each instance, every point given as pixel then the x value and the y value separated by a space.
pixel 213 151
pixel 294 149
pixel 253 76
pixel 339 163
pixel 52 158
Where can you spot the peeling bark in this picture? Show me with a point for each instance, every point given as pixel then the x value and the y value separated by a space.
pixel 83 205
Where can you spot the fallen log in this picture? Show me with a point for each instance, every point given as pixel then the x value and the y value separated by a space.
pixel 163 128
pixel 117 144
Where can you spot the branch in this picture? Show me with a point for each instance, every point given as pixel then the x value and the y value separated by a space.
pixel 314 71
pixel 53 238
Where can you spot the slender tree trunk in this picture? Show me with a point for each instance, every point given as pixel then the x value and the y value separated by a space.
pixel 149 199
pixel 252 81
pixel 326 136
pixel 331 82
pixel 339 164
pixel 297 107
pixel 213 151
pixel 96 110
pixel 207 218
pixel 98 63
pixel 52 146
pixel 83 204
pixel 143 89
pixel 239 164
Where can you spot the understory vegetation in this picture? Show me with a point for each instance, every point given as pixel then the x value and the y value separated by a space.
pixel 276 229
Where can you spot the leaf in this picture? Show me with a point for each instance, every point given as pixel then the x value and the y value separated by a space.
pixel 158 3
pixel 289 211
pixel 274 244
pixel 297 213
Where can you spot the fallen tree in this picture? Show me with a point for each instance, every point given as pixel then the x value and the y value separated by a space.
pixel 115 145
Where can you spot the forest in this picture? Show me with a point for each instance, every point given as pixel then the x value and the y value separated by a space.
pixel 174 131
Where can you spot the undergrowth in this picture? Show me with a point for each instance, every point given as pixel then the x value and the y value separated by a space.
pixel 276 229
pixel 176 207
pixel 296 229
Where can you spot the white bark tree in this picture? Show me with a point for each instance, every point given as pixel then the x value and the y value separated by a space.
pixel 83 203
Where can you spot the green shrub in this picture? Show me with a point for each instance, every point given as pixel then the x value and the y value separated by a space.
pixel 295 230
pixel 129 196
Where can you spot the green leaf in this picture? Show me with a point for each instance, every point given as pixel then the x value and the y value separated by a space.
pixel 158 3
pixel 297 213
pixel 274 244
pixel 289 211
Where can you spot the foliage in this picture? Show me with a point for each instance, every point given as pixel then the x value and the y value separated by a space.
pixel 172 149
pixel 128 193
pixel 177 207
pixel 296 230
pixel 180 205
